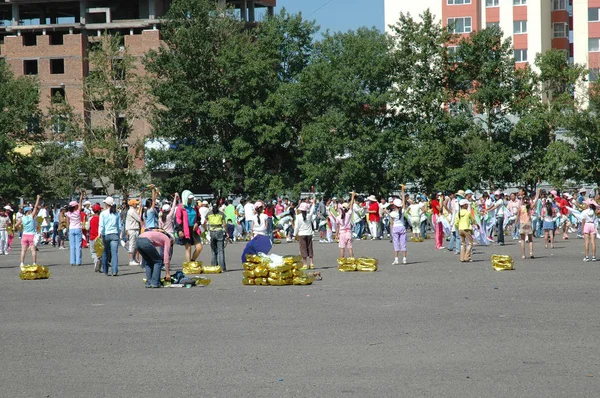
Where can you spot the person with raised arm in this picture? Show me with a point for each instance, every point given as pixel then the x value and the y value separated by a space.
pixel 75 230
pixel 344 225
pixel 28 222
pixel 398 228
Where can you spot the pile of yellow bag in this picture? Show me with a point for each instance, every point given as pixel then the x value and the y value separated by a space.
pixel 196 267
pixel 261 271
pixel 31 272
pixel 352 264
pixel 502 263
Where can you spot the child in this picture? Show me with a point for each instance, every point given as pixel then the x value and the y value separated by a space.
pixel 344 226
pixel 230 230
pixel 28 222
pixel 398 229
pixel 94 223
pixel 548 215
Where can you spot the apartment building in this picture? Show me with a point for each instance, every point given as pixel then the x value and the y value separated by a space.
pixel 534 26
pixel 50 39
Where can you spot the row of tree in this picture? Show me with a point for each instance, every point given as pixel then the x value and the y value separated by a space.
pixel 268 108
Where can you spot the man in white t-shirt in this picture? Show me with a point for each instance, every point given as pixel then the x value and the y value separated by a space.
pixel 249 214
pixel 43 213
pixel 498 208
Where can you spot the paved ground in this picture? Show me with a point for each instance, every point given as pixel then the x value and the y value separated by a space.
pixel 433 328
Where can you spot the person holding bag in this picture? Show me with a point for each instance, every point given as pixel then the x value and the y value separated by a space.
pixel 187 222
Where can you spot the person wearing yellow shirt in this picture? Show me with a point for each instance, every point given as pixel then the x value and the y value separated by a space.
pixel 464 224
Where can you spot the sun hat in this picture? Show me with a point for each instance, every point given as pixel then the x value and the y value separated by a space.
pixel 133 202
pixel 468 191
pixel 303 206
pixel 96 207
pixel 258 205
pixel 460 192
pixel 372 198
pixel 591 202
pixel 397 202
pixel 166 207
pixel 87 202
pixel 334 198
pixel 497 192
pixel 553 192
pixel 345 205
pixel 73 203
pixel 109 200
pixel 463 202
pixel 8 208
pixel 28 208
pixel 205 202
pixel 583 190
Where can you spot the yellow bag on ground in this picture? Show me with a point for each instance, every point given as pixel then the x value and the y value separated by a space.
pixel 249 266
pixel 279 282
pixel 366 267
pixel 261 271
pixel 31 272
pixel 280 268
pixel 281 275
pixel 248 281
pixel 502 263
pixel 248 274
pixel 292 259
pixel 261 281
pixel 297 272
pixel 303 280
pixel 344 260
pixel 99 247
pixel 212 269
pixel 347 267
pixel 192 267
pixel 253 258
pixel 201 280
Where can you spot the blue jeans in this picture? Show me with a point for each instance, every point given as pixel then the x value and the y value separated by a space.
pixel 248 226
pixel 454 243
pixel 153 261
pixel 217 246
pixel 111 248
pixel 75 246
pixel 54 232
pixel 500 228
pixel 358 229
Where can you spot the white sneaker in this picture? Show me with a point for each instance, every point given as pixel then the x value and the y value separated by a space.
pixel 396 262
pixel 404 260
pixel 122 243
pixel 97 266
pixel 134 263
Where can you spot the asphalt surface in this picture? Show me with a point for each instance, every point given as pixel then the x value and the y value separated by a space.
pixel 432 328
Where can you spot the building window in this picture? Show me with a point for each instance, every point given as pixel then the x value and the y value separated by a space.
pixel 57 94
pixel 519 2
pixel 593 76
pixel 459 25
pixel 519 27
pixel 30 67
pixel 520 55
pixel 57 66
pixel 452 54
pixel 593 14
pixel 57 39
pixel 559 5
pixel 559 30
pixel 495 25
pixel 59 124
pixel 594 44
pixel 492 3
pixel 458 2
pixel 29 39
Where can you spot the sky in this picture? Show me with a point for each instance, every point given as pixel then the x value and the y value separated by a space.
pixel 338 15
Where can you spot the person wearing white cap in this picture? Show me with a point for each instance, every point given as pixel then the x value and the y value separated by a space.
pixel 28 221
pixel 464 223
pixel 344 223
pixel 303 231
pixel 187 224
pixel 398 228
pixel 4 224
pixel 374 217
pixel 110 230
pixel 87 208
pixel 75 230
pixel 167 215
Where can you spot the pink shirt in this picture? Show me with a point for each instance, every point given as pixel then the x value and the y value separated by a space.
pixel 74 219
pixel 159 239
pixel 345 223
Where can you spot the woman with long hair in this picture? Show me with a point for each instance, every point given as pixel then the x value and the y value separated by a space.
pixel 110 230
pixel 398 228
pixel 187 223
pixel 548 225
pixel 589 217
pixel 75 230
pixel 344 226
pixel 260 222
pixel 303 231
pixel 525 226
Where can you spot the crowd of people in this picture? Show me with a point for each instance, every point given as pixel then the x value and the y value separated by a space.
pixel 149 229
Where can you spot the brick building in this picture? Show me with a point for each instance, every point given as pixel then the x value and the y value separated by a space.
pixel 534 26
pixel 50 39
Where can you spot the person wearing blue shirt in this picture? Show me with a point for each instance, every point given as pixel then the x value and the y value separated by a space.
pixel 29 223
pixel 151 214
pixel 110 230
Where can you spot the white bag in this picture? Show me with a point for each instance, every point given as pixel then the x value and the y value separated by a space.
pixel 37 239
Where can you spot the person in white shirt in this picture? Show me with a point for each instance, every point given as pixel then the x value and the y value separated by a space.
pixel 303 231
pixel 499 207
pixel 258 225
pixel 133 224
pixel 398 229
pixel 45 225
pixel 249 214
pixel 589 218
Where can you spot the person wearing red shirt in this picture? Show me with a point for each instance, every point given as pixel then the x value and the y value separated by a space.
pixel 94 223
pixel 563 203
pixel 374 217
pixel 436 208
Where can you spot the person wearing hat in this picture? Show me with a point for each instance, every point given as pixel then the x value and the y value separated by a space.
pixel 464 224
pixel 303 231
pixel 75 230
pixel 4 224
pixel 373 217
pixel 259 224
pixel 589 218
pixel 398 228
pixel 344 224
pixel 187 224
pixel 87 208
pixel 94 222
pixel 436 209
pixel 133 225
pixel 110 230
pixel 28 222
pixel 167 215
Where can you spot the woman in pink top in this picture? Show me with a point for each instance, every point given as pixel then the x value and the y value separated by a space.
pixel 344 226
pixel 525 228
pixel 75 236
pixel 147 246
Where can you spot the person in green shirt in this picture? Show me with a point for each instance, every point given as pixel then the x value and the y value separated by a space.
pixel 464 224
